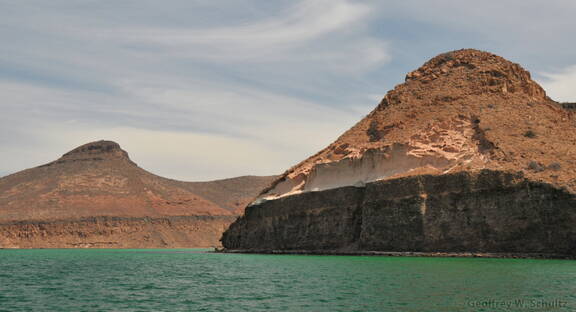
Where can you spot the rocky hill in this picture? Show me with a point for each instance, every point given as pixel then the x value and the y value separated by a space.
pixel 95 196
pixel 469 154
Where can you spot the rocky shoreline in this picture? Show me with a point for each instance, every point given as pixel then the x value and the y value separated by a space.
pixel 489 212
pixel 402 254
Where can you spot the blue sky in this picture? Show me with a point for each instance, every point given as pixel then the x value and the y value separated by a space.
pixel 200 90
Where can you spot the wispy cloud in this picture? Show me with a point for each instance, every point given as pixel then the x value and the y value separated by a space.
pixel 307 20
pixel 326 35
pixel 255 85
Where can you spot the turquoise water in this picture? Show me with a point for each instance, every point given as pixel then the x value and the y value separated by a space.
pixel 196 280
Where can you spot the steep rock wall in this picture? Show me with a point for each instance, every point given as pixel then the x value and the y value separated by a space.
pixel 484 211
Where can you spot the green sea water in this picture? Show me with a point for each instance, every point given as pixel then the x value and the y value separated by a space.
pixel 198 280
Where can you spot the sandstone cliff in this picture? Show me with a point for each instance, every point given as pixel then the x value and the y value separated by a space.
pixel 469 154
pixel 95 196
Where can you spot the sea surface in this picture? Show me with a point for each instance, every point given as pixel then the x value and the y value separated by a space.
pixel 199 280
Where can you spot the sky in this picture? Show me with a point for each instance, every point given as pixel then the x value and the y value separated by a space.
pixel 201 90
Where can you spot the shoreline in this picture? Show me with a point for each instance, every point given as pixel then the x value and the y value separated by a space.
pixel 430 254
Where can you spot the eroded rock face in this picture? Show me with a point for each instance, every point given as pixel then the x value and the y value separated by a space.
pixel 469 154
pixel 463 110
pixel 487 211
pixel 98 180
pixel 116 232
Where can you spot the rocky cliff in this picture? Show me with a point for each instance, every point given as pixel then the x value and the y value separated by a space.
pixel 482 212
pixel 468 155
pixel 95 196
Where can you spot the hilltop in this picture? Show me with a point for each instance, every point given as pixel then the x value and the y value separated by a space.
pixel 462 110
pixel 95 196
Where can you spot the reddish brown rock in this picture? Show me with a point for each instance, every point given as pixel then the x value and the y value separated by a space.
pixel 463 110
pixel 98 180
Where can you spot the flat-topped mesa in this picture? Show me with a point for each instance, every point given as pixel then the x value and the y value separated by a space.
pixel 461 110
pixel 95 151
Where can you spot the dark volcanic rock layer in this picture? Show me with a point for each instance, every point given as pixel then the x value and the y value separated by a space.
pixel 487 211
